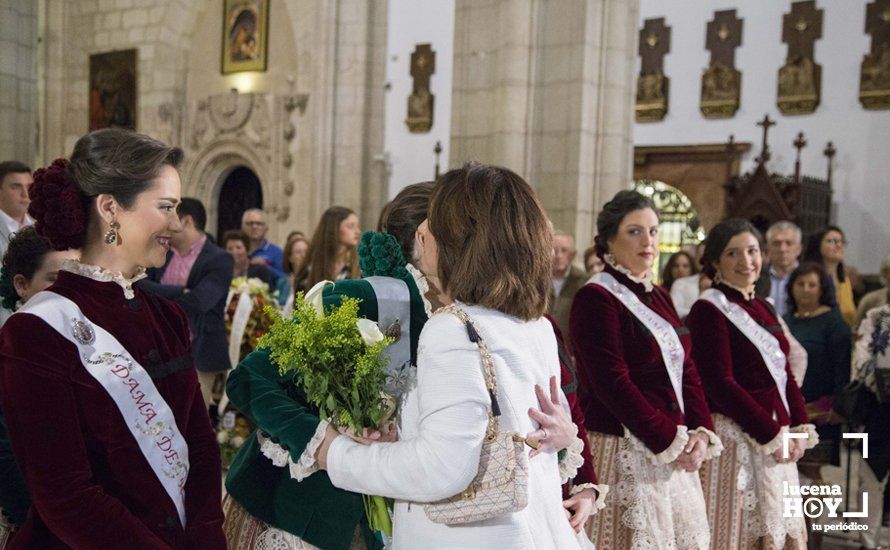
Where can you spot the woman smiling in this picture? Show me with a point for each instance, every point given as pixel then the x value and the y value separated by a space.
pixel 105 416
pixel 742 355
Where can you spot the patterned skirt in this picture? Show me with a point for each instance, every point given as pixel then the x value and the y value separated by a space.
pixel 649 506
pixel 245 532
pixel 743 490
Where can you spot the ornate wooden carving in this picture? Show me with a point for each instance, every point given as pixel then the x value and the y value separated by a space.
pixel 699 171
pixel 652 84
pixel 800 79
pixel 766 198
pixel 721 83
pixel 874 81
pixel 420 102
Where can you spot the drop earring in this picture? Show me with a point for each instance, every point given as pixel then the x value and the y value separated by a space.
pixel 113 235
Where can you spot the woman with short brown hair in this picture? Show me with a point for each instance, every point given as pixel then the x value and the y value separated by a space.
pixel 487 242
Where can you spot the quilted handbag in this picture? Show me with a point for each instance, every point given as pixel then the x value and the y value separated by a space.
pixel 501 484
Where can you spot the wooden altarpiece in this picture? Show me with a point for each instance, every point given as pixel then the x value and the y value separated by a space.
pixel 765 198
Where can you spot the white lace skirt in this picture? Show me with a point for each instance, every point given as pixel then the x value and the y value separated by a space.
pixel 649 506
pixel 743 488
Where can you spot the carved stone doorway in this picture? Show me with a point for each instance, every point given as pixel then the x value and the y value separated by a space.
pixel 240 190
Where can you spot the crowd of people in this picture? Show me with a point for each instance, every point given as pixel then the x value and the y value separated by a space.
pixel 637 411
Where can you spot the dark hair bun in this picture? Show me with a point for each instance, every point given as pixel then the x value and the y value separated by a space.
pixel 379 255
pixel 58 207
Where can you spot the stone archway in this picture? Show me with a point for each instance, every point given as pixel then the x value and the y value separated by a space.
pixel 204 175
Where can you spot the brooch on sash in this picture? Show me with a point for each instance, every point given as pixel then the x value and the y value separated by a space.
pixel 83 333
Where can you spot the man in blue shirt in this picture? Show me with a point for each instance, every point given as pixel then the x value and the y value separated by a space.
pixel 253 222
pixel 783 248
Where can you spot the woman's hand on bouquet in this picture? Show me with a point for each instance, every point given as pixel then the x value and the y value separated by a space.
pixel 579 506
pixel 693 453
pixel 388 433
pixel 557 431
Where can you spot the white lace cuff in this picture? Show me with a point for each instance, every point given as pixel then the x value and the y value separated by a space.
pixel 771 446
pixel 809 429
pixel 715 446
pixel 281 457
pixel 568 466
pixel 674 449
pixel 601 491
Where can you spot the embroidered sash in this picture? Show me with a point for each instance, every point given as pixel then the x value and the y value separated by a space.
pixel 765 342
pixel 394 306
pixel 144 410
pixel 665 335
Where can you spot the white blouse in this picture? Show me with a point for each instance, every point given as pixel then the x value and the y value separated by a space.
pixel 442 425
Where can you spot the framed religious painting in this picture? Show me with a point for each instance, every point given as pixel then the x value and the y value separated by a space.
pixel 245 38
pixel 113 90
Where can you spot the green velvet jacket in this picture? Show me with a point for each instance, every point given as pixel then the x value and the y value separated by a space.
pixel 312 509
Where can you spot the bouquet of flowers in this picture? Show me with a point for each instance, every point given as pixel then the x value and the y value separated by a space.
pixel 337 359
pixel 246 317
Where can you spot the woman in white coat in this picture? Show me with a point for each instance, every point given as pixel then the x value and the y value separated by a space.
pixel 487 245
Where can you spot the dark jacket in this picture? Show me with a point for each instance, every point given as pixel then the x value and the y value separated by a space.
pixel 204 304
pixel 90 484
pixel 623 376
pixel 737 381
pixel 560 307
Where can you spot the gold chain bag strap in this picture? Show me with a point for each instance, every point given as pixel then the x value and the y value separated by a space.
pixel 501 484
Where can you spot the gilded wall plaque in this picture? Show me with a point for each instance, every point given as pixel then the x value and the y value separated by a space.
pixel 874 79
pixel 652 84
pixel 800 79
pixel 421 100
pixel 721 83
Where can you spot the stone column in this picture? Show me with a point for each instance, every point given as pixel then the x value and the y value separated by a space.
pixel 18 80
pixel 546 89
pixel 358 179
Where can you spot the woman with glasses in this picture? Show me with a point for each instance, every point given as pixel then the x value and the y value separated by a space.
pixel 827 247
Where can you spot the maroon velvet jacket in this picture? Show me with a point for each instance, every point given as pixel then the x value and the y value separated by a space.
pixel 91 486
pixel 737 381
pixel 624 381
pixel 569 383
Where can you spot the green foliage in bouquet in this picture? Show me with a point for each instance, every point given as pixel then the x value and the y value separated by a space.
pixel 342 372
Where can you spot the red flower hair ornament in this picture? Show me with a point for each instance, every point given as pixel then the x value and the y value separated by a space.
pixel 58 206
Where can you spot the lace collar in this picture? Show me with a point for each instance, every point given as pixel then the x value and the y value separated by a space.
pixel 645 280
pixel 101 274
pixel 423 286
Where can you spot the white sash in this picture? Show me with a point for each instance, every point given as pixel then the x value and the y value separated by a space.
pixel 665 335
pixel 765 342
pixel 394 306
pixel 239 321
pixel 144 410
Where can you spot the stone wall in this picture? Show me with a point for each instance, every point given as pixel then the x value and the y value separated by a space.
pixel 316 121
pixel 18 80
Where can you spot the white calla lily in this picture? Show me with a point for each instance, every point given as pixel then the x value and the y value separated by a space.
pixel 370 331
pixel 314 297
